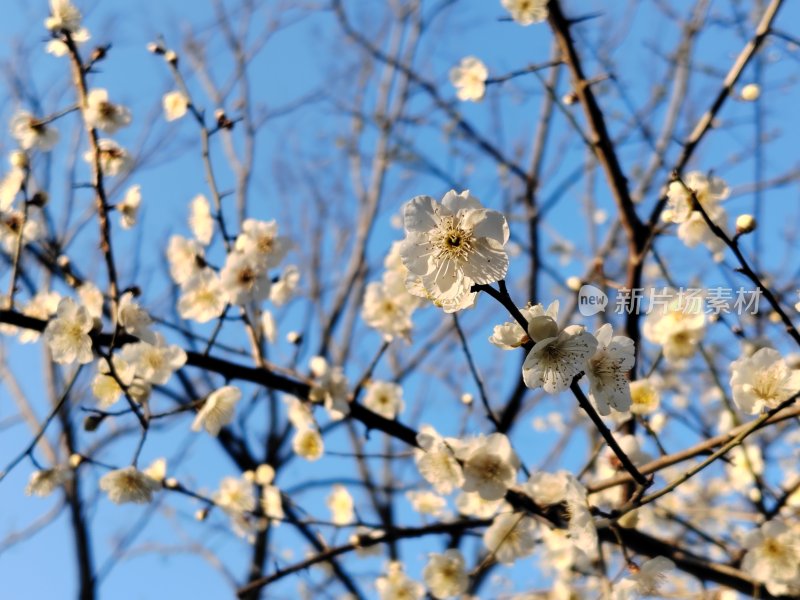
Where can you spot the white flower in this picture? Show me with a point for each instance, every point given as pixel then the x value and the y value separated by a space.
pixel 272 504
pixel 557 356
pixel 283 289
pixel 200 220
pixel 105 387
pixel 156 362
pixel 262 240
pixel 157 471
pixel 469 79
pixel 42 306
pixel 547 489
pixel 511 536
pixel 114 159
pixel 426 502
pixel 763 380
pixel 330 387
pixel 773 557
pixel 129 207
pixel 298 413
pixel 510 335
pixel 340 503
pixel 710 191
pixel 489 465
pixel 451 246
pixel 608 386
pixel 526 12
pixel 134 319
pixel 218 410
pixel 307 442
pixel 104 115
pixel 396 585
pixel 472 505
pixel 63 16
pixel 245 278
pixel 436 460
pixel 384 398
pixel 695 230
pixel 202 297
pixel 183 258
pixel 43 483
pixel 678 327
pixel 388 305
pixel 175 105
pixel 235 496
pixel 129 485
pixel 92 298
pixel 445 574
pixel 68 334
pixel 31 133
pixel 645 396
pixel 645 580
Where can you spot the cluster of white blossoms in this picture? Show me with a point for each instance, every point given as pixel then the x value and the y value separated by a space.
pixel 678 327
pixel 763 381
pixel 388 306
pixel 236 496
pixel 559 355
pixel 469 79
pixel 330 388
pixel 307 441
pixel 644 580
pixel 451 246
pixel 692 228
pixel 526 12
pixel 244 279
pixel 773 557
pixel 396 584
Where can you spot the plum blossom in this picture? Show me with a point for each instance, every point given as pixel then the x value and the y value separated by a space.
pixel 68 334
pixel 31 133
pixel 307 443
pixel 526 12
pixel 285 287
pixel 436 460
pixel 511 536
pixel 129 485
pixel 608 386
pixel 510 335
pixel 450 247
pixel 105 386
pixel 261 239
pixel 677 327
pixel 42 306
pixel 44 482
pixel 762 380
pixel 129 207
pixel 773 557
pixel 330 388
pixel 202 297
pixel 63 16
pixel 396 585
pixel 489 465
pixel 134 319
pixel 175 105
pixel 388 305
pixel 114 159
pixel 340 503
pixel 445 575
pixel 245 278
pixel 200 220
pixel 557 356
pixel 154 363
pixel 644 580
pixel 104 115
pixel 218 410
pixel 384 398
pixel 184 258
pixel 469 79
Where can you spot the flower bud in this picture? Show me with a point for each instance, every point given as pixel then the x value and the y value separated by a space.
pixel 745 224
pixel 92 422
pixel 750 92
pixel 75 460
pixel 171 57
pixel 40 198
pixel 155 48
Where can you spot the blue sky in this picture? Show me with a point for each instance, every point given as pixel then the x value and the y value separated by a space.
pixel 296 63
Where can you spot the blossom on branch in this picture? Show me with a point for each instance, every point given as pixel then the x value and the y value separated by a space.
pixel 450 247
